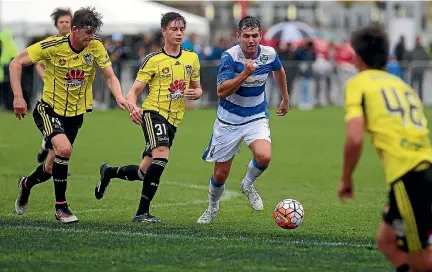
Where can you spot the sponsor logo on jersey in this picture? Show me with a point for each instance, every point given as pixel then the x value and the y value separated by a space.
pixel 177 89
pixel 75 78
pixel 165 70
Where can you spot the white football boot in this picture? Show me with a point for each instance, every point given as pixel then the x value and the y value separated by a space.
pixel 253 197
pixel 208 216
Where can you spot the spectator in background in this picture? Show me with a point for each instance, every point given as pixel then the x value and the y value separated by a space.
pixel 217 51
pixel 430 50
pixel 191 44
pixel 394 67
pixel 418 59
pixel 211 71
pixel 287 56
pixel 322 69
pixel 145 43
pixel 138 61
pixel 400 50
pixel 9 49
pixel 306 56
pixel 117 55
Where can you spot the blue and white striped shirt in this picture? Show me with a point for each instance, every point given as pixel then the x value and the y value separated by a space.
pixel 248 103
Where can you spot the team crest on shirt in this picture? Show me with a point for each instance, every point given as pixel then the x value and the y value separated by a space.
pixel 62 62
pixel 165 70
pixel 88 59
pixel 75 78
pixel 177 89
pixel 264 58
pixel 188 69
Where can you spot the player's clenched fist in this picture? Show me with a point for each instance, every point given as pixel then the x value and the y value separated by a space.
pixel 250 67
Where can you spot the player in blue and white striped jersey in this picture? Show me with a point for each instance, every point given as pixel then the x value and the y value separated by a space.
pixel 242 113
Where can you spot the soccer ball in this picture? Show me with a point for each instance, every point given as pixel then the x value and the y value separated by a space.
pixel 288 214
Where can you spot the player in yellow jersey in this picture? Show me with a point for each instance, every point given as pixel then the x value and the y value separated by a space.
pixel 67 95
pixel 62 21
pixel 390 111
pixel 173 75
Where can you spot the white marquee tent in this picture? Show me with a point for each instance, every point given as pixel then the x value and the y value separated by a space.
pixel 27 18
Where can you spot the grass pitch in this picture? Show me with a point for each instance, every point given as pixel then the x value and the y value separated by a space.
pixel 307 153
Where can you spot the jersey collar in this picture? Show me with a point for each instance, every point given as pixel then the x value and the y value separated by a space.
pixel 70 46
pixel 176 57
pixel 259 53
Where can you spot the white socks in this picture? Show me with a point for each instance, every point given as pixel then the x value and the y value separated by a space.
pixel 215 193
pixel 253 172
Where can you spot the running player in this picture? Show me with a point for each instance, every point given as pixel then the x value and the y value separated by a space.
pixel 173 75
pixel 62 21
pixel 390 111
pixel 67 95
pixel 242 113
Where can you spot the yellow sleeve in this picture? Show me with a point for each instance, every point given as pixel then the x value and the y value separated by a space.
pixel 147 70
pixel 196 69
pixel 353 100
pixel 102 57
pixel 42 50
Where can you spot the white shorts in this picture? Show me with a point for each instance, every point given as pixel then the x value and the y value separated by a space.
pixel 226 139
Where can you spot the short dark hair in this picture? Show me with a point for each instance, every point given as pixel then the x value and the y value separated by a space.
pixel 59 12
pixel 87 17
pixel 371 44
pixel 249 22
pixel 167 18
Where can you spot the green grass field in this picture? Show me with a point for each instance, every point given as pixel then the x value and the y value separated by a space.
pixel 307 153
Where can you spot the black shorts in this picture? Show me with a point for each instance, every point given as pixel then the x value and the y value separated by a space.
pixel 52 124
pixel 409 210
pixel 157 131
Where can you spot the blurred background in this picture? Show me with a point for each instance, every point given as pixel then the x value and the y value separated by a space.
pixel 312 39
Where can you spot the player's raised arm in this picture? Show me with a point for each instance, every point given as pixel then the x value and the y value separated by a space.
pixel 115 88
pixel 15 70
pixel 227 82
pixel 354 117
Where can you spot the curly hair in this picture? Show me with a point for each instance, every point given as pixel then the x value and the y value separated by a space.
pixel 87 17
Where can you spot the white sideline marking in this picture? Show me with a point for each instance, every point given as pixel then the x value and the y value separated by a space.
pixel 191 237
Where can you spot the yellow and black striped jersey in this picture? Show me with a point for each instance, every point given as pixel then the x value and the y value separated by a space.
pixel 69 74
pixel 394 119
pixel 168 78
